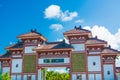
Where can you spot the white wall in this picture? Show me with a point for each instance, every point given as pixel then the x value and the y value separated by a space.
pixel 29 49
pixel 13 77
pixel 5 69
pixel 19 77
pixel 66 60
pixel 17 56
pixel 94 77
pixel 78 47
pixel 33 77
pixel 74 77
pixel 98 76
pixel 39 74
pixel 94 52
pixel 106 69
pixel 97 61
pixel 14 63
pixel 91 77
pixel 83 76
pixel 25 77
pixel 41 61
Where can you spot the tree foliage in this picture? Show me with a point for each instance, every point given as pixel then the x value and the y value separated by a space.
pixel 51 75
pixel 6 76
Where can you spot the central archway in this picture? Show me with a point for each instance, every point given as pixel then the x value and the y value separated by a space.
pixel 55 73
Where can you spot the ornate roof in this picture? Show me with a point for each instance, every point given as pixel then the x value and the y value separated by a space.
pixel 54 45
pixel 109 50
pixel 77 30
pixel 95 41
pixel 32 34
pixel 18 45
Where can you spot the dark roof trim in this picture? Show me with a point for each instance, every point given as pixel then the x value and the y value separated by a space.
pixel 6 55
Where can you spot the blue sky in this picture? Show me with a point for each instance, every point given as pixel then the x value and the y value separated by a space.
pixel 19 16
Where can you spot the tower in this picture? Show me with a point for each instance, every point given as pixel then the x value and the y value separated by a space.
pixel 77 38
pixel 87 58
pixel 29 61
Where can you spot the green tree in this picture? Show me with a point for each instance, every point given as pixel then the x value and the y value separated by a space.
pixel 6 76
pixel 51 75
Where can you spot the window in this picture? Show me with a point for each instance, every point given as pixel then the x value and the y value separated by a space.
pixel 16 65
pixel 94 63
pixel 29 78
pixel 79 77
pixel 78 47
pixel 108 72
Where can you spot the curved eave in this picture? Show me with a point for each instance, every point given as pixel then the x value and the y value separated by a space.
pixel 32 37
pixel 14 48
pixel 97 44
pixel 71 34
pixel 62 49
pixel 5 59
pixel 77 34
pixel 107 54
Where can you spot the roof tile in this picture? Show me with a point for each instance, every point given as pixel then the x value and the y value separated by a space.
pixel 77 30
pixel 95 41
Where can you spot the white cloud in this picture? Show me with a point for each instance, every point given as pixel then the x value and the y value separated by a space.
pixel 79 21
pixel 54 11
pixel 58 69
pixel 67 16
pixel 60 39
pixel 56 27
pixel 104 34
pixel 12 43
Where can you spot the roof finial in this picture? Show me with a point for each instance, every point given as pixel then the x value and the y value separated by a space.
pixel 33 30
pixel 75 27
pixel 63 41
pixel 109 46
pixel 80 27
pixel 96 37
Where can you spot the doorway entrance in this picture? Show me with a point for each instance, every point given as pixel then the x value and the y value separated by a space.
pixel 54 73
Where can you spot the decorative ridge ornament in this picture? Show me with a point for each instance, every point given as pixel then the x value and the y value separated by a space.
pixel 33 30
pixel 109 46
pixel 78 28
pixel 95 37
